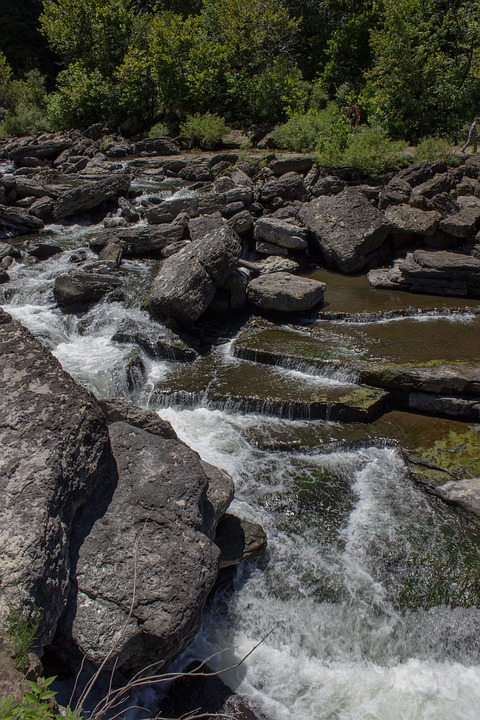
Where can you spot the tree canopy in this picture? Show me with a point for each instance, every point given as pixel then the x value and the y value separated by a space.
pixel 413 65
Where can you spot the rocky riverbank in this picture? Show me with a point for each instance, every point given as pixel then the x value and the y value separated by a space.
pixel 98 494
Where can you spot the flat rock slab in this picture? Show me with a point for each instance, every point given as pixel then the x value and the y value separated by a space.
pixel 55 451
pixel 284 292
pixel 257 388
pixel 148 564
pixel 346 228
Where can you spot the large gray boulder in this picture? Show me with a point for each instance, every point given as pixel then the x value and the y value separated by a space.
pixel 280 232
pixel 284 292
pixel 55 451
pixel 186 283
pixel 148 565
pixel 90 195
pixel 346 228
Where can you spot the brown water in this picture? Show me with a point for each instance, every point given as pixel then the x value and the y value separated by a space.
pixel 353 294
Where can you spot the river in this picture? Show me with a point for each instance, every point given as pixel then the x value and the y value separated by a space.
pixel 366 604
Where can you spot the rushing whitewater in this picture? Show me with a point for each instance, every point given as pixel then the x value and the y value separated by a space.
pixel 348 605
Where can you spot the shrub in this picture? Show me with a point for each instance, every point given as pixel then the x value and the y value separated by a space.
pixel 434 148
pixel 21 626
pixel 160 129
pixel 371 150
pixel 25 102
pixel 313 130
pixel 205 131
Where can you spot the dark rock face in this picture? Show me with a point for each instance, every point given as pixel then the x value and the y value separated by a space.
pixel 289 186
pixel 55 451
pixel 346 228
pixel 141 240
pixel 87 283
pixel 90 195
pixel 429 271
pixel 144 603
pixel 18 221
pixel 186 283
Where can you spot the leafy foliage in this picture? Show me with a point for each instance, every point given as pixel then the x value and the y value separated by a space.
pixel 21 626
pixel 36 704
pixel 203 131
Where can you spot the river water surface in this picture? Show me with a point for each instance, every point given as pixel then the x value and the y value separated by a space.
pixel 367 599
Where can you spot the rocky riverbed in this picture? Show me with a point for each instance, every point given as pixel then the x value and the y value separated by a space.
pixel 231 250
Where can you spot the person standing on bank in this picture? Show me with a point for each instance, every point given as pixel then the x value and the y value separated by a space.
pixel 472 136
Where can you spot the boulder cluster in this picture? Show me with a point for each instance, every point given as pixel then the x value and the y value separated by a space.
pixel 243 224
pixel 109 522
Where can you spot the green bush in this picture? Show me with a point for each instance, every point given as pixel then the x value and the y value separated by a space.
pixel 313 130
pixel 371 150
pixel 25 102
pixel 434 148
pixel 21 626
pixel 205 131
pixel 160 129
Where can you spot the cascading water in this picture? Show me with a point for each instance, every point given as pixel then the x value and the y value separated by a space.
pixel 366 599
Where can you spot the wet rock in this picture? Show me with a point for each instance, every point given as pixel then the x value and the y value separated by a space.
pixel 462 493
pixel 55 451
pixel 238 540
pixel 18 221
pixel 168 210
pixel 111 253
pixel 120 409
pixel 91 195
pixel 186 283
pixel 284 292
pixel 346 229
pixel 7 250
pixel 128 210
pixel 4 277
pixel 220 489
pixel 87 283
pixel 140 240
pixel 162 343
pixel 158 517
pixel 42 249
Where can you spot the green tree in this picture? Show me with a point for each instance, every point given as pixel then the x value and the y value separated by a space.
pixel 94 32
pixel 239 45
pixel 426 76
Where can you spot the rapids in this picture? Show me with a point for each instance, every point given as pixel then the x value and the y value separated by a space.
pixel 366 604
